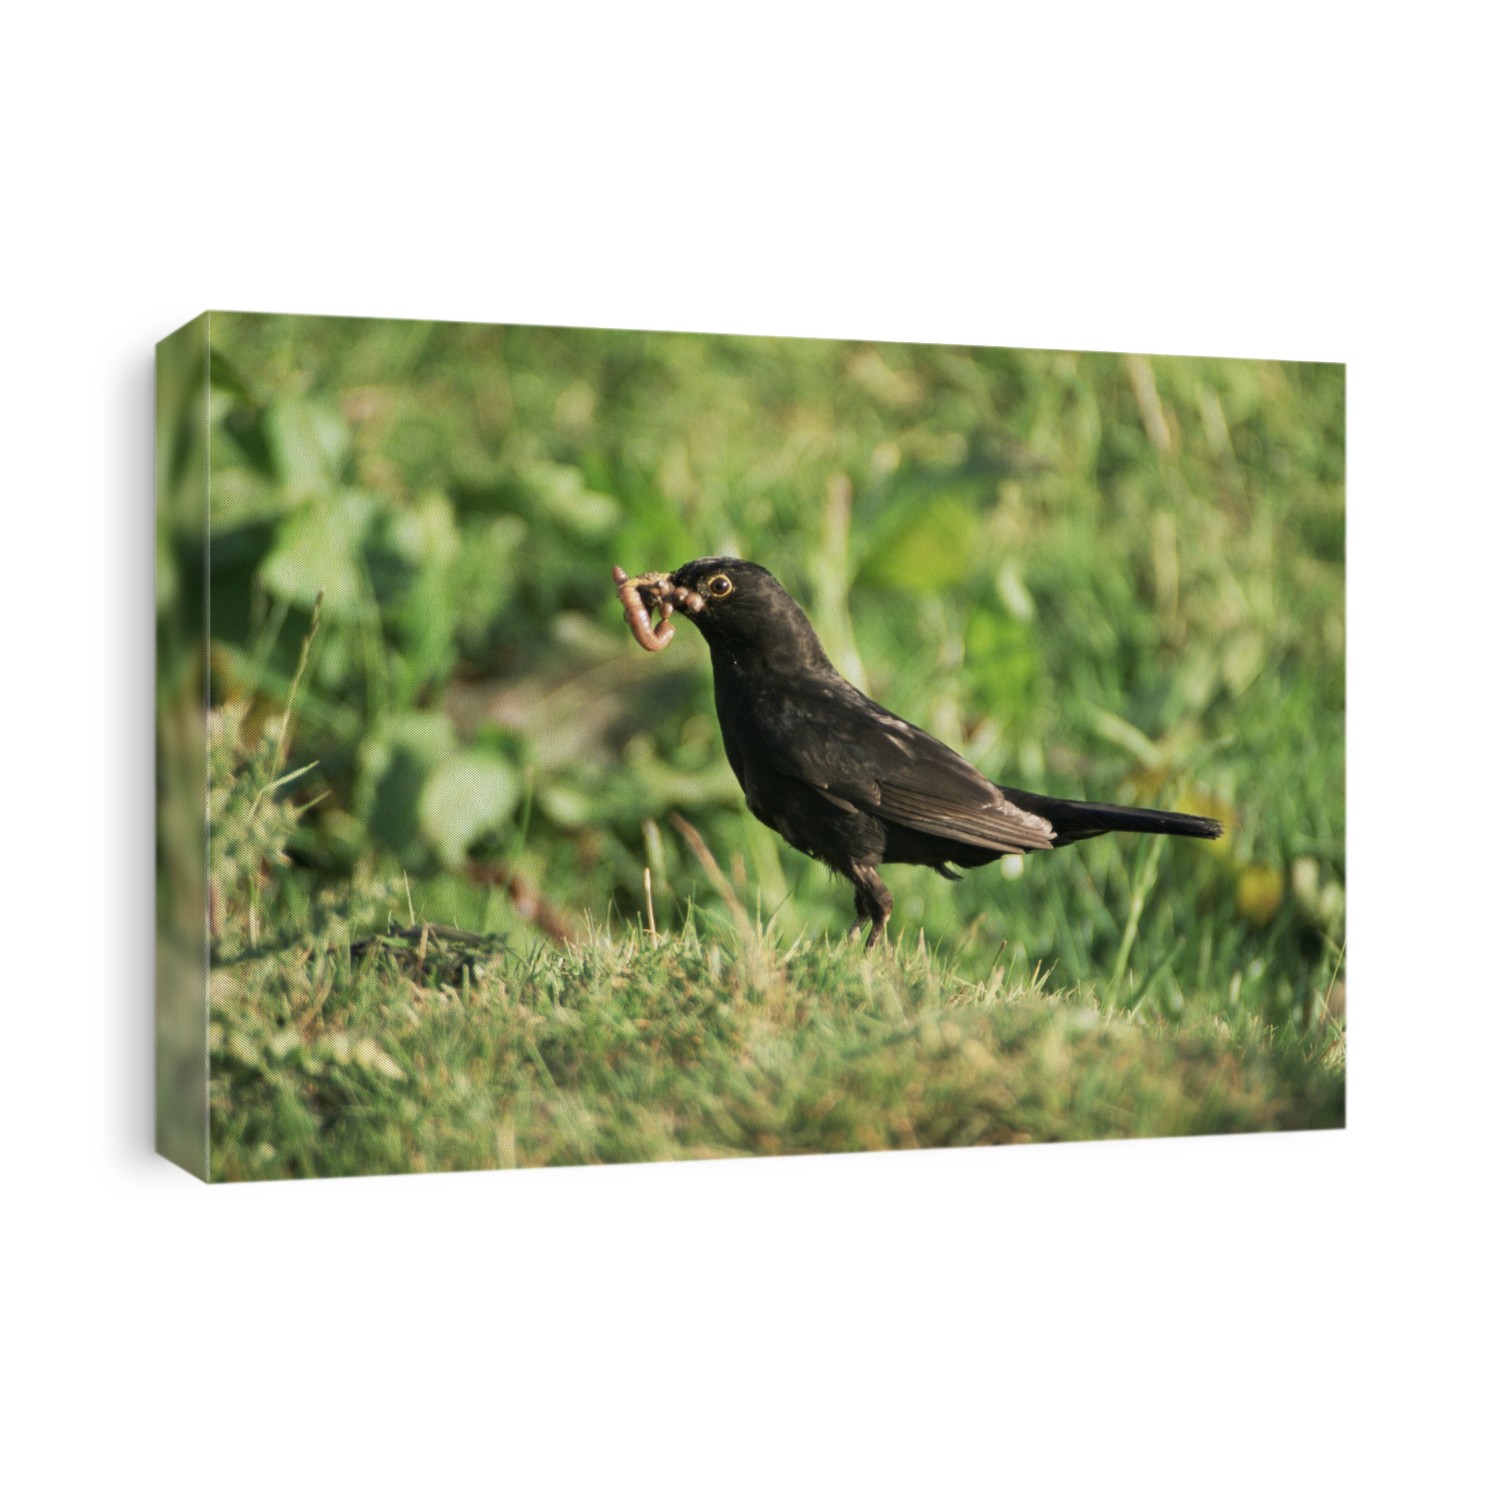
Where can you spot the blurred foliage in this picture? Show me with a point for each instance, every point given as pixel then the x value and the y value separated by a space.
pixel 1095 575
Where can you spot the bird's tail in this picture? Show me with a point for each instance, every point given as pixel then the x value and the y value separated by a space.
pixel 1072 821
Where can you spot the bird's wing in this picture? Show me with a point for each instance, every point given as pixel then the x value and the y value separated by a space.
pixel 861 756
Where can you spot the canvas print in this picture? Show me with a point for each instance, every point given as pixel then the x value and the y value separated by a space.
pixel 583 746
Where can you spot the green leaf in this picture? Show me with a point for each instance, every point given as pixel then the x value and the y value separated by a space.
pixel 224 376
pixel 308 443
pixel 1124 734
pixel 472 794
pixel 318 548
pixel 423 534
pixel 412 552
pixel 1001 661
pixel 559 493
pixel 928 548
pixel 394 769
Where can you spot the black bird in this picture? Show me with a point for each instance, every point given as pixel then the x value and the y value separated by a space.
pixel 843 779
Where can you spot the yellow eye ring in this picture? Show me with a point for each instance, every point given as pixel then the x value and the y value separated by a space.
pixel 719 586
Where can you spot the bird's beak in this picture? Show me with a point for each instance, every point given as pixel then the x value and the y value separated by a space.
pixel 667 592
pixel 648 591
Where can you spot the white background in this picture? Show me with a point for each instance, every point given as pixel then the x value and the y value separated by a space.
pixel 1293 1315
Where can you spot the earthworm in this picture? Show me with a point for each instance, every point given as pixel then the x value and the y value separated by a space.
pixel 638 614
pixel 689 601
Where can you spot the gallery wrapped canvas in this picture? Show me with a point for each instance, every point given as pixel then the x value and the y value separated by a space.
pixel 452 874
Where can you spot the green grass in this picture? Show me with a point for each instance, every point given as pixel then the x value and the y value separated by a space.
pixel 636 1049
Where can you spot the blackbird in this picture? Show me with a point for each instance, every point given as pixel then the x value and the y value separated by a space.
pixel 843 779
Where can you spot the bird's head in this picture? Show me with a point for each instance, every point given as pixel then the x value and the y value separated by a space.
pixel 739 607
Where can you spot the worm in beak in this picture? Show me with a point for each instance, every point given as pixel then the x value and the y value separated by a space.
pixel 638 610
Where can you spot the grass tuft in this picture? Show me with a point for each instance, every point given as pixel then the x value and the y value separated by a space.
pixel 330 1062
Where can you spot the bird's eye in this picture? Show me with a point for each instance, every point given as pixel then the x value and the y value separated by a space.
pixel 719 586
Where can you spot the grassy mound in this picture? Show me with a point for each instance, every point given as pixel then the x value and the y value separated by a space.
pixel 429 1053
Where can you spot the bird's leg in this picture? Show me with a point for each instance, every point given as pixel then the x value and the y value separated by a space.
pixel 862 914
pixel 872 901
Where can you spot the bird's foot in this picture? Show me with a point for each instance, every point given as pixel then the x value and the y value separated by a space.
pixel 876 925
pixel 872 902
